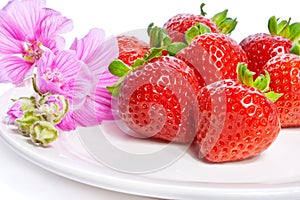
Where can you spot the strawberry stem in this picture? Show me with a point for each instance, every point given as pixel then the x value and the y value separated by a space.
pixel 262 82
pixel 201 9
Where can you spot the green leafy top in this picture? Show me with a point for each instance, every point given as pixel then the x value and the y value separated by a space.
pixel 285 29
pixel 261 83
pixel 225 24
pixel 159 38
pixel 198 29
pixel 120 69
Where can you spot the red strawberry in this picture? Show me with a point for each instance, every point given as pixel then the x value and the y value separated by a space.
pixel 213 56
pixel 177 25
pixel 260 47
pixel 237 122
pixel 285 72
pixel 157 99
pixel 131 48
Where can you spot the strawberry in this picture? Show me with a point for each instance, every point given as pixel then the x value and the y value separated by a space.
pixel 213 56
pixel 131 48
pixel 177 25
pixel 260 47
pixel 285 71
pixel 237 121
pixel 156 99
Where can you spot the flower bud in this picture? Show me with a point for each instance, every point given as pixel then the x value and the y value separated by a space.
pixel 43 133
pixel 20 106
pixel 53 108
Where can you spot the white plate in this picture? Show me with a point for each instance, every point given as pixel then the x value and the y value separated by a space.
pixel 273 175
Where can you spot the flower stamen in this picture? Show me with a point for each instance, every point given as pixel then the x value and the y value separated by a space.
pixel 33 51
pixel 53 75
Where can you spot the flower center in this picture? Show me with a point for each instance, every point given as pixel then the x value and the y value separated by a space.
pixel 33 51
pixel 53 75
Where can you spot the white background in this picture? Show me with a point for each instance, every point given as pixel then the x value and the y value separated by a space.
pixel 20 179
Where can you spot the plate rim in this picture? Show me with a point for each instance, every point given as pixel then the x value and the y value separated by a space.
pixel 156 188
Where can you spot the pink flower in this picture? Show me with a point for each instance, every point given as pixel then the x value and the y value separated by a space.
pixel 57 74
pixel 27 29
pixel 92 101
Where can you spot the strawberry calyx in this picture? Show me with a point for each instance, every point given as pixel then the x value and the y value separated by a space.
pixel 198 29
pixel 118 68
pixel 225 24
pixel 285 29
pixel 159 38
pixel 262 82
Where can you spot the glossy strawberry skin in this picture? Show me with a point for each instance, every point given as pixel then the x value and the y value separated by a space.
pixel 261 47
pixel 214 57
pixel 157 100
pixel 284 71
pixel 237 122
pixel 177 25
pixel 131 48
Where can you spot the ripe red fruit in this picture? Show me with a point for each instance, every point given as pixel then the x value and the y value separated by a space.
pixel 177 25
pixel 213 56
pixel 237 122
pixel 284 70
pixel 131 48
pixel 157 100
pixel 261 47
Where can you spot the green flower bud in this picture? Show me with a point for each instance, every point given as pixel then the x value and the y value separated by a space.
pixel 43 133
pixel 24 123
pixel 53 108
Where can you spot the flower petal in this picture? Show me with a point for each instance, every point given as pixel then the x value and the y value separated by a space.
pixel 83 85
pixel 25 15
pixel 9 45
pixel 14 69
pixel 103 56
pixel 86 46
pixel 95 51
pixel 86 115
pixel 51 24
pixel 57 73
pixel 67 123
pixel 95 109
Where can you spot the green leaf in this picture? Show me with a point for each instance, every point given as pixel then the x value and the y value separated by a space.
pixel 118 68
pixel 245 76
pixel 175 47
pixel 219 17
pixel 262 82
pixel 273 26
pixel 159 37
pixel 154 53
pixel 225 24
pixel 273 96
pixel 296 49
pixel 115 89
pixel 193 31
pixel 295 32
